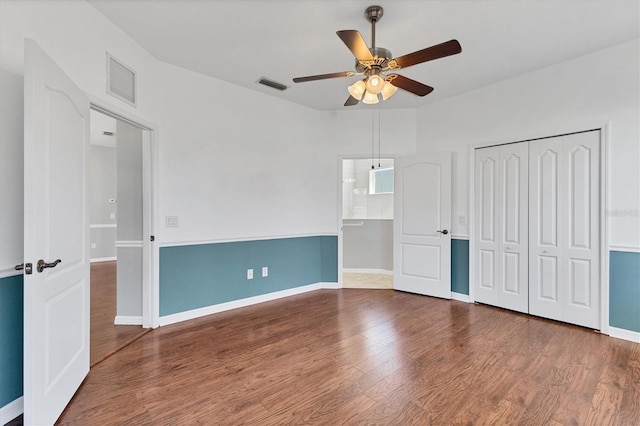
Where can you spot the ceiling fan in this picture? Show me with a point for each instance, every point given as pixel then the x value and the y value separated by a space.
pixel 378 67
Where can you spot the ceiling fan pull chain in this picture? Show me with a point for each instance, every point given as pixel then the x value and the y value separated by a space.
pixel 379 139
pixel 373 155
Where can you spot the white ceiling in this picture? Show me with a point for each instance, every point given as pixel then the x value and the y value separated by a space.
pixel 241 41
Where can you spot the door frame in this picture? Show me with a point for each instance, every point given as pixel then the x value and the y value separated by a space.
pixel 340 195
pixel 150 207
pixel 605 135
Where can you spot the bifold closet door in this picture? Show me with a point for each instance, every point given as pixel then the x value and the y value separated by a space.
pixel 564 189
pixel 501 227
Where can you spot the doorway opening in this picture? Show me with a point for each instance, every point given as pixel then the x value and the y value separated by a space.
pixel 367 223
pixel 118 248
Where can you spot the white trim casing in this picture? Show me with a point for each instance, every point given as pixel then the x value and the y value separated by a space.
pixel 11 410
pixel 151 205
pixel 625 248
pixel 367 271
pixel 103 259
pixel 460 297
pixel 238 240
pixel 129 244
pixel 9 272
pixel 621 333
pixel 605 132
pixel 471 185
pixel 127 320
pixel 241 303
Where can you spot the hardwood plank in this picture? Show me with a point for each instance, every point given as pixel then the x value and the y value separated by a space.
pixel 364 357
pixel 107 338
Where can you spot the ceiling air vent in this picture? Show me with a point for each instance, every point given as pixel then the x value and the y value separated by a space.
pixel 272 84
pixel 121 81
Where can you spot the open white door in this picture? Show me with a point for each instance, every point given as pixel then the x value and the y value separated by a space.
pixel 56 297
pixel 422 223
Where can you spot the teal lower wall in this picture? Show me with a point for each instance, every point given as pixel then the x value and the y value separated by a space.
pixel 460 266
pixel 197 276
pixel 624 290
pixel 11 338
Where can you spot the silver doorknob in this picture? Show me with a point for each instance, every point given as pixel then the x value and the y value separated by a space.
pixel 41 265
pixel 444 231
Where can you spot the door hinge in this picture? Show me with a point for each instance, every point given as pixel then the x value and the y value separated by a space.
pixel 153 238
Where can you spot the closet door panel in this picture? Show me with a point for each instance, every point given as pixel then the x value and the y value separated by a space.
pixel 501 226
pixel 487 281
pixel 564 228
pixel 582 229
pixel 545 265
pixel 514 247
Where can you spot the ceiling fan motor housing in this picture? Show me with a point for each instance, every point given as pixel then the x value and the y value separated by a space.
pixel 381 58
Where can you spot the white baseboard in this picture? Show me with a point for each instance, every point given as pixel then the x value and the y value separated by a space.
pixel 127 320
pixel 329 286
pixel 366 271
pixel 621 333
pixel 11 410
pixel 461 297
pixel 103 259
pixel 241 303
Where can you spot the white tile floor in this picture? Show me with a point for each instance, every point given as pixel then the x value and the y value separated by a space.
pixel 373 281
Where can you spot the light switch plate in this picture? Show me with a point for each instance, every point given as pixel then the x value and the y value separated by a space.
pixel 171 221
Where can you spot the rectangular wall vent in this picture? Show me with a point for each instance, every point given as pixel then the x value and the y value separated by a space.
pixel 272 84
pixel 121 81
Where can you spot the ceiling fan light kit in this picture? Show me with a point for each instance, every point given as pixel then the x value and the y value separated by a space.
pixel 379 68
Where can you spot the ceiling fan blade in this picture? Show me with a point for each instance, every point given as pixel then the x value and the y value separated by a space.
pixel 323 76
pixel 356 44
pixel 409 85
pixel 438 51
pixel 351 101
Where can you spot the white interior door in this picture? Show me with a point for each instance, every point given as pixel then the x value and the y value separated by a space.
pixel 501 226
pixel 422 224
pixel 56 302
pixel 564 228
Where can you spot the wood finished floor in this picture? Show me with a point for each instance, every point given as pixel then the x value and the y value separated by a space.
pixel 107 338
pixel 364 357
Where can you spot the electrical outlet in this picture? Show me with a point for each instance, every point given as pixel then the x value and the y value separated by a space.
pixel 249 274
pixel 265 271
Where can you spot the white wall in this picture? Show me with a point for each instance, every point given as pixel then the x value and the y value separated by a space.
pixel 234 163
pixel 580 94
pixel 102 189
pixel 11 171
